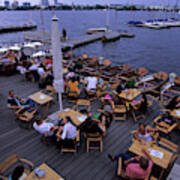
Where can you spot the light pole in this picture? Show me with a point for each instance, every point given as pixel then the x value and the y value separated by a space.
pixel 57 60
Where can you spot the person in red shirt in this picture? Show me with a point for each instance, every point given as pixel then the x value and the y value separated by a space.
pixel 135 167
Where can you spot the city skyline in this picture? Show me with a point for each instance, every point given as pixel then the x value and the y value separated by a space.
pixel 93 2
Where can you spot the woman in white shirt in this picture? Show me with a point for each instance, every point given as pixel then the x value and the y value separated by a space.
pixel 18 174
pixel 68 134
pixel 91 83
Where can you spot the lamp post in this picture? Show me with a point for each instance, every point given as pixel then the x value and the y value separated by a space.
pixel 57 60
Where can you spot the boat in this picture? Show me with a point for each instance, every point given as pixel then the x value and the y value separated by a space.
pixel 96 30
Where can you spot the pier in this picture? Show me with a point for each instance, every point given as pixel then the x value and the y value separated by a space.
pixel 23 27
pixel 74 42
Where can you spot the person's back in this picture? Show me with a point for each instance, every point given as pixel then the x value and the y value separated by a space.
pixel 69 131
pixel 43 127
pixel 92 82
pixel 73 86
pixel 139 170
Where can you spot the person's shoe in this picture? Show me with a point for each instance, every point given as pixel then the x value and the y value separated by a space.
pixel 111 157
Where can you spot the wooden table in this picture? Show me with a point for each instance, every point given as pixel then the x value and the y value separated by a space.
pixel 41 98
pixel 174 113
pixel 72 114
pixel 74 117
pixel 50 174
pixel 137 147
pixel 129 94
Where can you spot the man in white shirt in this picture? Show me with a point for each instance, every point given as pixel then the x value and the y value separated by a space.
pixel 44 128
pixel 41 72
pixel 69 133
pixel 91 83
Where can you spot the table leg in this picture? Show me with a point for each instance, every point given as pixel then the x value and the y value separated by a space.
pixel 161 174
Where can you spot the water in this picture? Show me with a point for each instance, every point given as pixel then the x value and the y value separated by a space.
pixel 157 50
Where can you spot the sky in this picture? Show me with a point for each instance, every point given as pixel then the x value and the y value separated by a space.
pixel 91 2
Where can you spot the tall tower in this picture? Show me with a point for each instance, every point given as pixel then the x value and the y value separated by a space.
pixel 44 3
pixel 55 2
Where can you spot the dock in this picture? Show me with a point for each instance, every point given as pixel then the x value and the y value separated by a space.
pixel 23 27
pixel 45 37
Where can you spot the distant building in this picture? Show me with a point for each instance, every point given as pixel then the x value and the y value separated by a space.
pixel 7 4
pixel 15 4
pixel 55 2
pixel 44 3
pixel 26 4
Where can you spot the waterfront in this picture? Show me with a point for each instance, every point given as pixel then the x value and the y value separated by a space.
pixel 157 50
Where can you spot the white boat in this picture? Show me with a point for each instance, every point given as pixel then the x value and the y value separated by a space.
pixel 15 48
pixel 32 45
pixel 96 30
pixel 3 50
pixel 39 54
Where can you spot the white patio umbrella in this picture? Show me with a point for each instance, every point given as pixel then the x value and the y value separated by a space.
pixel 57 60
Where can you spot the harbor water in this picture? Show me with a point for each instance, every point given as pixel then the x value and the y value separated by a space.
pixel 157 50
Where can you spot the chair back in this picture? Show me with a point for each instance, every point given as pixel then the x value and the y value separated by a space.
pixel 6 164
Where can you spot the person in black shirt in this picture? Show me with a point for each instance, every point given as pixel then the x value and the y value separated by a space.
pixel 14 102
pixel 91 126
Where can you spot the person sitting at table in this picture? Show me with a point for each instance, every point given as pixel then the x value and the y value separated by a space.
pixel 23 57
pixel 10 55
pixel 47 129
pixel 105 120
pixel 18 173
pixel 33 69
pixel 49 78
pixel 121 86
pixel 167 118
pixel 131 83
pixel 136 167
pixel 174 103
pixel 91 83
pixel 143 134
pixel 67 134
pixel 70 74
pixel 15 102
pixel 141 105
pixel 91 126
pixel 73 85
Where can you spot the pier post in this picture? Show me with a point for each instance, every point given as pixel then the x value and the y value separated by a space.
pixel 57 60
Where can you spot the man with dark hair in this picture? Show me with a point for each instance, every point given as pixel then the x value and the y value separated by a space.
pixel 14 102
pixel 136 167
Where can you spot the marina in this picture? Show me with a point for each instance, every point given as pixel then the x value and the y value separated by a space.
pixel 75 42
pixel 24 27
pixel 134 80
pixel 156 24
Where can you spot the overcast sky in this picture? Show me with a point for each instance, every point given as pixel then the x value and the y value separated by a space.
pixel 147 2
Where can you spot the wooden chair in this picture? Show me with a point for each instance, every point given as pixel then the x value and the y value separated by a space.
pixel 168 144
pixel 25 116
pixel 154 135
pixel 136 114
pixel 119 111
pixel 73 96
pixel 91 95
pixel 51 90
pixel 164 127
pixel 72 149
pixel 83 102
pixel 12 160
pixel 94 138
pixel 121 172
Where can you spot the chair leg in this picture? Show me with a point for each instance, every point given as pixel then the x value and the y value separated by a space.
pixel 101 146
pixel 87 146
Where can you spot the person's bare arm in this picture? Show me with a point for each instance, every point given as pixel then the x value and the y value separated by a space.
pixel 136 136
pixel 136 158
pixel 146 154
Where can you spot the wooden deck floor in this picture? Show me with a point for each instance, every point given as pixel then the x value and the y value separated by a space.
pixel 80 166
